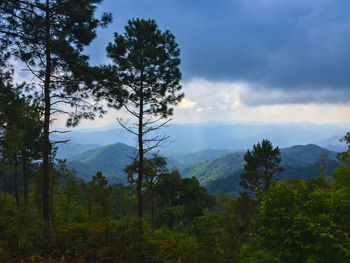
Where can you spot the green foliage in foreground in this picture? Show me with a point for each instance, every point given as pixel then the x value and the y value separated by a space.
pixel 292 221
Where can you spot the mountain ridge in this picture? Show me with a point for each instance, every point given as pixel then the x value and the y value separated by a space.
pixel 189 138
pixel 112 159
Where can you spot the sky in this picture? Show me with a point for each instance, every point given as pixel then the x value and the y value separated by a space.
pixel 249 60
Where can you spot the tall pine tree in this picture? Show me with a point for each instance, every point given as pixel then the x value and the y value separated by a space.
pixel 49 37
pixel 146 66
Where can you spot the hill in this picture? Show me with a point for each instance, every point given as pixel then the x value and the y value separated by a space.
pixel 333 143
pixel 230 184
pixel 207 166
pixel 69 150
pixel 215 168
pixel 222 166
pixel 110 160
pixel 181 161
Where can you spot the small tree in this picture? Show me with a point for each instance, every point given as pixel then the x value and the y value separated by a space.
pixel 154 169
pixel 99 192
pixel 261 166
pixel 20 128
pixel 146 66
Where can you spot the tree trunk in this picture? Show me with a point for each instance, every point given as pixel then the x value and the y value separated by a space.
pixel 15 183
pixel 140 144
pixel 46 144
pixel 152 207
pixel 0 189
pixel 51 200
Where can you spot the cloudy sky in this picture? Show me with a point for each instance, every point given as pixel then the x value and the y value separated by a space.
pixel 251 60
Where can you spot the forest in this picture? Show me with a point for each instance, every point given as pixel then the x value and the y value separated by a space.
pixel 155 212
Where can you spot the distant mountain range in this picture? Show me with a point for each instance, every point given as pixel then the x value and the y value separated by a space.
pixel 207 166
pixel 189 138
pixel 69 150
pixel 333 143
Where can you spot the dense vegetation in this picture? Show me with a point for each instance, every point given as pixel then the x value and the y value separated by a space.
pixel 48 214
pixel 293 221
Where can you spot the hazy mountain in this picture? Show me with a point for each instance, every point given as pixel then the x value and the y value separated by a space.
pixel 333 143
pixel 215 168
pixel 69 150
pixel 189 138
pixel 110 160
pixel 206 165
pixel 181 161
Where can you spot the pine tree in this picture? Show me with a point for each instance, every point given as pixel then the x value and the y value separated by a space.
pixel 49 37
pixel 146 66
pixel 261 166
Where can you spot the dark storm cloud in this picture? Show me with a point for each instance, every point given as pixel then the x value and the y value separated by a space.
pixel 274 44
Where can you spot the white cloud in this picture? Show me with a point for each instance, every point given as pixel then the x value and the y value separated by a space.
pixel 187 104
pixel 238 101
pixel 204 109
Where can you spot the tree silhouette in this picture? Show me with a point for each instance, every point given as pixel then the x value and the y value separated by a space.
pixel 146 66
pixel 262 164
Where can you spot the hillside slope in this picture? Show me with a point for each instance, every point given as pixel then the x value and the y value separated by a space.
pixel 110 160
pixel 299 161
pixel 222 166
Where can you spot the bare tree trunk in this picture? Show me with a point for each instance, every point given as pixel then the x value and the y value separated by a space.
pixel 51 200
pixel 140 171
pixel 15 183
pixel 1 198
pixel 152 207
pixel 46 145
pixel 6 187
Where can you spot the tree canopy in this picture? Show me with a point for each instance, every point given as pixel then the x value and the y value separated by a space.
pixel 261 165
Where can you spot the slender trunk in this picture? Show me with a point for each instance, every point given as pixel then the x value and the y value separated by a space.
pixel 127 222
pixel 25 178
pixel 0 189
pixel 152 207
pixel 16 184
pixel 103 209
pixel 51 200
pixel 46 144
pixel 140 144
pixel 6 187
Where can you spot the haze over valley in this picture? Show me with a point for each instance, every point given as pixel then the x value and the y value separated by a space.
pixel 211 152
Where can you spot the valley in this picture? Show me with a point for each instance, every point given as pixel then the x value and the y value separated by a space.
pixel 217 169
